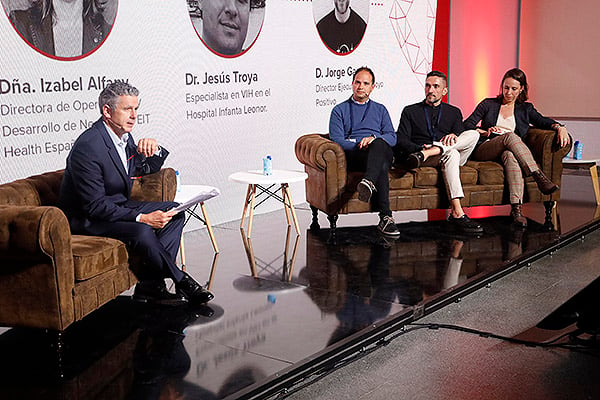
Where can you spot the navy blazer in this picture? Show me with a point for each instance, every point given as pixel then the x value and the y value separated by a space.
pixel 525 115
pixel 413 131
pixel 95 186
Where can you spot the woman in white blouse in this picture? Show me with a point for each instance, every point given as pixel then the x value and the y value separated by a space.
pixel 503 122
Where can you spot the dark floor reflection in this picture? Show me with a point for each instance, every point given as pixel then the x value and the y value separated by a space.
pixel 280 298
pixel 425 260
pixel 126 351
pixel 282 263
pixel 265 318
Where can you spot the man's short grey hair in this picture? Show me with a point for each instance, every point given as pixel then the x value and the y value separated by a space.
pixel 111 93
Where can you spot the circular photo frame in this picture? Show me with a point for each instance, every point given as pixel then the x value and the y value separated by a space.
pixel 62 29
pixel 227 28
pixel 341 23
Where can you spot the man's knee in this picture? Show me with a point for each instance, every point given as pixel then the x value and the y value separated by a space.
pixel 145 234
pixel 379 142
pixel 450 157
pixel 381 147
pixel 470 137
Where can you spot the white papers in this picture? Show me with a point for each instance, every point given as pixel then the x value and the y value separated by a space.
pixel 206 193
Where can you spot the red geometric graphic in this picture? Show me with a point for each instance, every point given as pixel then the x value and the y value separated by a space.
pixel 418 54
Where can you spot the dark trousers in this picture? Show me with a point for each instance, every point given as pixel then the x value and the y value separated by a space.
pixel 375 161
pixel 157 247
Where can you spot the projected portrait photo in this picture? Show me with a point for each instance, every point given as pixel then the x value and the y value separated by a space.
pixel 62 29
pixel 341 23
pixel 227 27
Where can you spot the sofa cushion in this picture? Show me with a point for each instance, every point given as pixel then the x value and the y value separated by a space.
pixel 94 255
pixel 401 179
pixel 490 172
pixel 427 176
pixel 468 175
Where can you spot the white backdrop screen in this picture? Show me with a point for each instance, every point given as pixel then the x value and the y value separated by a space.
pixel 216 110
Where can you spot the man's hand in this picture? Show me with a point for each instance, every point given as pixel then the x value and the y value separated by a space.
pixel 449 139
pixel 430 150
pixel 365 142
pixel 147 147
pixel 157 219
pixel 483 132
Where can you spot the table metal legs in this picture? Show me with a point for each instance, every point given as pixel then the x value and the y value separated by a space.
pixel 250 204
pixel 289 257
pixel 204 219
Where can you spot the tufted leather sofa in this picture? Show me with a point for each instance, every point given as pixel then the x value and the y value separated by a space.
pixel 50 278
pixel 331 189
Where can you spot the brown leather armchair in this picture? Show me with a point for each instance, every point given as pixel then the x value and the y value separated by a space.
pixel 50 278
pixel 331 189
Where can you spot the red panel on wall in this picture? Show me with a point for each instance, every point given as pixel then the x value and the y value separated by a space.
pixel 475 43
pixel 440 63
pixel 442 31
pixel 483 46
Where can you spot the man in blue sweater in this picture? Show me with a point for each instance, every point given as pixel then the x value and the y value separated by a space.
pixel 364 130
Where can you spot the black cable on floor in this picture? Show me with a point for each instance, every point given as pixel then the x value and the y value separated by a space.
pixel 549 344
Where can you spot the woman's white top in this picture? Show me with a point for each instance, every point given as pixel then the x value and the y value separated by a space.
pixel 506 124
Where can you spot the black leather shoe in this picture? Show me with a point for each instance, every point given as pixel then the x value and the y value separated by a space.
pixel 414 160
pixel 466 225
pixel 192 290
pixel 155 292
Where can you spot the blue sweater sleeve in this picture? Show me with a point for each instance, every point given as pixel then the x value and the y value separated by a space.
pixel 337 130
pixel 387 129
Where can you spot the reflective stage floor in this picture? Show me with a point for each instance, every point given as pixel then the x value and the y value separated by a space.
pixel 285 306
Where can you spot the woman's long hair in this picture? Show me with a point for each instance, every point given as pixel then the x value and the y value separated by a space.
pixel 89 7
pixel 520 77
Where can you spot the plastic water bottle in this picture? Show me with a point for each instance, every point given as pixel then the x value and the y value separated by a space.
pixel 267 165
pixel 178 180
pixel 577 150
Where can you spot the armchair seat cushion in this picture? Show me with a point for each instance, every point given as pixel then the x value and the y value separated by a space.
pixel 94 255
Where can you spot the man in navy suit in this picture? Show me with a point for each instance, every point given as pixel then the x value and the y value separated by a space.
pixel 95 196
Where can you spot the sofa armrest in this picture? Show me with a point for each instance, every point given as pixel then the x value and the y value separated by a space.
pixel 320 152
pixel 159 186
pixel 36 257
pixel 34 233
pixel 325 163
pixel 548 154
